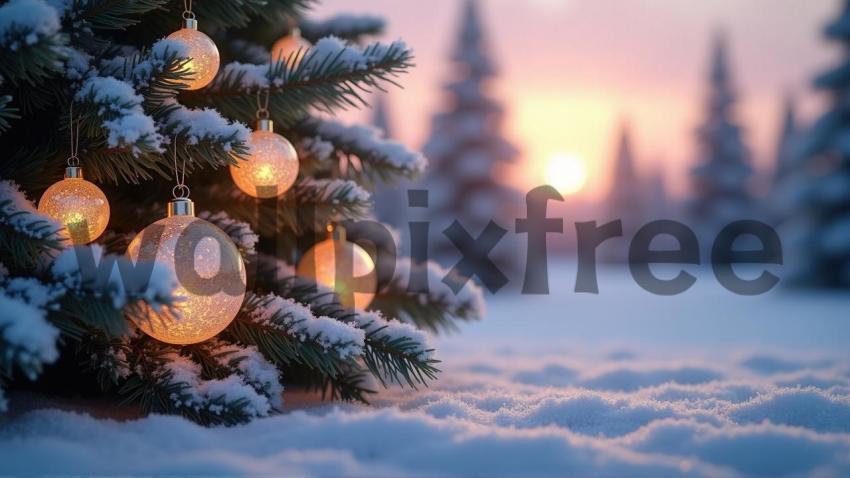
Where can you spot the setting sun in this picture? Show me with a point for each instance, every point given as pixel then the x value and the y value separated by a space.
pixel 566 172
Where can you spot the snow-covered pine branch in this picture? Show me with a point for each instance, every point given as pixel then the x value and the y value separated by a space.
pixel 329 76
pixel 31 42
pixel 240 232
pixel 435 309
pixel 344 25
pixel 379 158
pixel 118 108
pixel 27 339
pixel 26 237
pixel 158 74
pixel 106 287
pixel 288 333
pixel 210 135
pixel 396 352
pixel 254 369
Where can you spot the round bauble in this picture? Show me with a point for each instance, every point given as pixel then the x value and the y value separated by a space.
pixel 271 166
pixel 324 259
pixel 210 275
pixel 79 205
pixel 203 54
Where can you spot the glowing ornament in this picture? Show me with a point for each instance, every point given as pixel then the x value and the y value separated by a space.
pixel 289 45
pixel 203 54
pixel 358 279
pixel 272 164
pixel 210 273
pixel 79 205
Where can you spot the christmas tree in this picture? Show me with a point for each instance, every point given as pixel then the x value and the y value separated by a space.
pixel 95 89
pixel 466 146
pixel 788 177
pixel 721 179
pixel 626 196
pixel 826 202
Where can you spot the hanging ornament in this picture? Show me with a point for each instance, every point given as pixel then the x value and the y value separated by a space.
pixel 79 205
pixel 288 45
pixel 209 268
pixel 357 287
pixel 272 163
pixel 203 54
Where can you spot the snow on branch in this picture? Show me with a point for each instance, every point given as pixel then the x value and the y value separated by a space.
pixel 27 339
pixel 240 232
pixel 124 119
pixel 381 329
pixel 115 277
pixel 205 125
pixel 346 26
pixel 26 22
pixel 212 396
pixel 369 145
pixel 288 316
pixel 254 369
pixel 161 68
pixel 26 237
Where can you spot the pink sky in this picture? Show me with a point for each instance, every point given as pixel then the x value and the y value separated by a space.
pixel 572 69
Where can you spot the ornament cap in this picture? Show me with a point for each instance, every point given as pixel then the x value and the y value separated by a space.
pixel 265 124
pixel 181 207
pixel 336 232
pixel 190 23
pixel 73 172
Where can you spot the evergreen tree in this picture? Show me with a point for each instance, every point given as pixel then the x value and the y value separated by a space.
pixel 627 196
pixel 61 331
pixel 826 203
pixel 788 177
pixel 721 178
pixel 466 146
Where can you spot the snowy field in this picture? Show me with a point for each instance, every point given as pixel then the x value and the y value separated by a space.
pixel 622 383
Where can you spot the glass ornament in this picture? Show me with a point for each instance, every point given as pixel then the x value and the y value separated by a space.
pixel 319 264
pixel 203 54
pixel 289 45
pixel 210 275
pixel 271 166
pixel 79 205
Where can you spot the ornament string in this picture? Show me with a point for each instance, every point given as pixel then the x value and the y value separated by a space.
pixel 263 103
pixel 187 10
pixel 73 159
pixel 180 191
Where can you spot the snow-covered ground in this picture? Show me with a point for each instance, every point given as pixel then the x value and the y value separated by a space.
pixel 622 383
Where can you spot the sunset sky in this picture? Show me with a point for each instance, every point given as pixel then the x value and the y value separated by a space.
pixel 573 70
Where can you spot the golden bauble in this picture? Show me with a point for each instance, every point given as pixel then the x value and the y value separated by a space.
pixel 79 205
pixel 271 166
pixel 289 45
pixel 203 54
pixel 210 276
pixel 320 264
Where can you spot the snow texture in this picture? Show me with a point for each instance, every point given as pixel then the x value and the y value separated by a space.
pixel 206 124
pixel 125 281
pixel 370 145
pixel 622 383
pixel 255 370
pixel 332 335
pixel 206 394
pixel 26 22
pixel 128 125
pixel 19 213
pixel 240 232
pixel 26 337
pixel 335 190
pixel 379 328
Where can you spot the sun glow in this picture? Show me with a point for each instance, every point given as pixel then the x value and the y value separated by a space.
pixel 566 172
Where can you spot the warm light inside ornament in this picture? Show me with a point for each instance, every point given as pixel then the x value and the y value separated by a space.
pixel 342 266
pixel 210 273
pixel 289 45
pixel 79 205
pixel 271 166
pixel 203 54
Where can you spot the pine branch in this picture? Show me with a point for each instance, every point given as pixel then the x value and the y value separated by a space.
pixel 30 51
pixel 113 14
pixel 7 113
pixel 279 331
pixel 25 236
pixel 328 77
pixel 348 27
pixel 370 157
